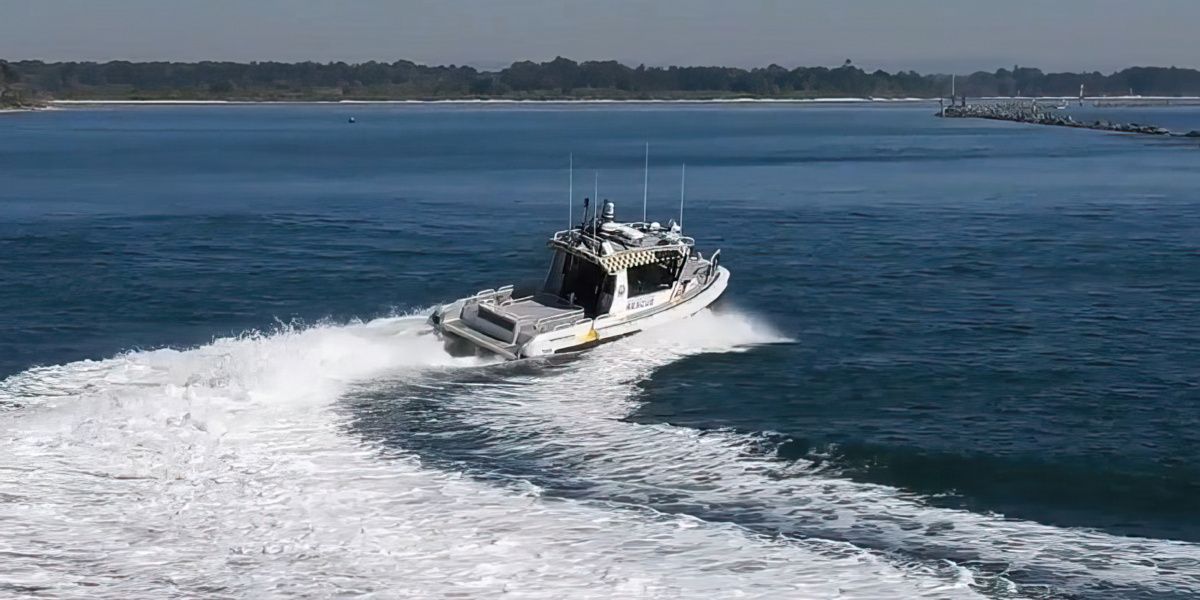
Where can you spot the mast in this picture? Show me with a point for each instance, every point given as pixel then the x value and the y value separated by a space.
pixel 682 183
pixel 596 199
pixel 645 182
pixel 571 191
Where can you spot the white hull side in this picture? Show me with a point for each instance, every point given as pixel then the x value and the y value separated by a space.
pixel 609 328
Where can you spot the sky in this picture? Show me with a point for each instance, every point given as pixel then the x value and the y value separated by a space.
pixel 924 35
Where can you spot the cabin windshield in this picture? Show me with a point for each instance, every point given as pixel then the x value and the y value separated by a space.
pixel 647 279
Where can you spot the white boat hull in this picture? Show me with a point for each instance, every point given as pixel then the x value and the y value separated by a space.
pixel 609 328
pixel 661 309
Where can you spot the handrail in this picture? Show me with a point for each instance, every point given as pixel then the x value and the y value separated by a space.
pixel 565 236
pixel 714 262
pixel 551 318
pixel 489 292
pixel 680 249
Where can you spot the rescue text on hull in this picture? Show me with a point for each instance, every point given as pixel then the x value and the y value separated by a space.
pixel 607 280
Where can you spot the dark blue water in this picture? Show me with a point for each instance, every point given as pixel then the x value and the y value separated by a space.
pixel 994 321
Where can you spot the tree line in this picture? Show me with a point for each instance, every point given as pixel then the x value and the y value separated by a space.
pixel 10 94
pixel 558 78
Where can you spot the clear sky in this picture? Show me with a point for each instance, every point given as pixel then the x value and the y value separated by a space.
pixel 926 35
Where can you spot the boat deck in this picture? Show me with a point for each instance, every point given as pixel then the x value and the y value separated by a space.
pixel 539 312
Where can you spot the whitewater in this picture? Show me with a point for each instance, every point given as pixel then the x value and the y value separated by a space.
pixel 239 469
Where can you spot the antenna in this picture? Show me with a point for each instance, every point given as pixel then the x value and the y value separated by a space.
pixel 682 184
pixel 645 182
pixel 571 191
pixel 596 195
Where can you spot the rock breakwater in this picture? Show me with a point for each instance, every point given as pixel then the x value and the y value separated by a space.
pixel 1039 115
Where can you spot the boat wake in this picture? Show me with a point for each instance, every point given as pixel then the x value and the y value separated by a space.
pixel 229 470
pixel 565 430
pixel 361 459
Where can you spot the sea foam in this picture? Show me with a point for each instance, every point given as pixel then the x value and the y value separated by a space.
pixel 224 471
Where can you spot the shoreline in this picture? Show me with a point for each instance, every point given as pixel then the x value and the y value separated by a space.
pixel 1165 100
pixel 474 101
pixel 1098 101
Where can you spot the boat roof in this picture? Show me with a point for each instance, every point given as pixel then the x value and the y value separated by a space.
pixel 618 246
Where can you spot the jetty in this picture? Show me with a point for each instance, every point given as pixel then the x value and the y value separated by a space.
pixel 1034 113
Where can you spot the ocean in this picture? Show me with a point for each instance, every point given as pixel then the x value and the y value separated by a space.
pixel 957 358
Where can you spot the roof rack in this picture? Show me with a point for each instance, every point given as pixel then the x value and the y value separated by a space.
pixel 614 257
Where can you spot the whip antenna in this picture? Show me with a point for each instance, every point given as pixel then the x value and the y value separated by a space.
pixel 645 182
pixel 682 184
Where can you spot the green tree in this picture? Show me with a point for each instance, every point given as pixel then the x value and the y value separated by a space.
pixel 8 76
pixel 560 77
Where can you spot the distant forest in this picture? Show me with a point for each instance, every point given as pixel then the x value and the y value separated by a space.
pixel 561 78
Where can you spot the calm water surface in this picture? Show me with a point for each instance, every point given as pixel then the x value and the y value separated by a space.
pixel 960 357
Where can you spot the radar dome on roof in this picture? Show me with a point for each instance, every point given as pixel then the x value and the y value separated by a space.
pixel 609 212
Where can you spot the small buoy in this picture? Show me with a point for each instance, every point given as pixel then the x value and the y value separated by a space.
pixel 351 119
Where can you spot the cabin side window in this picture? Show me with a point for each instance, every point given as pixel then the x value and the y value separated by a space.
pixel 607 295
pixel 554 279
pixel 582 284
pixel 553 285
pixel 647 279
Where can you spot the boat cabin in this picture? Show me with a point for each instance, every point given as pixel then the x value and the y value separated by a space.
pixel 604 274
pixel 610 268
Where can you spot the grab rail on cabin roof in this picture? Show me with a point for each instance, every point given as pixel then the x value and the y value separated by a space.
pixel 584 236
pixel 683 246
